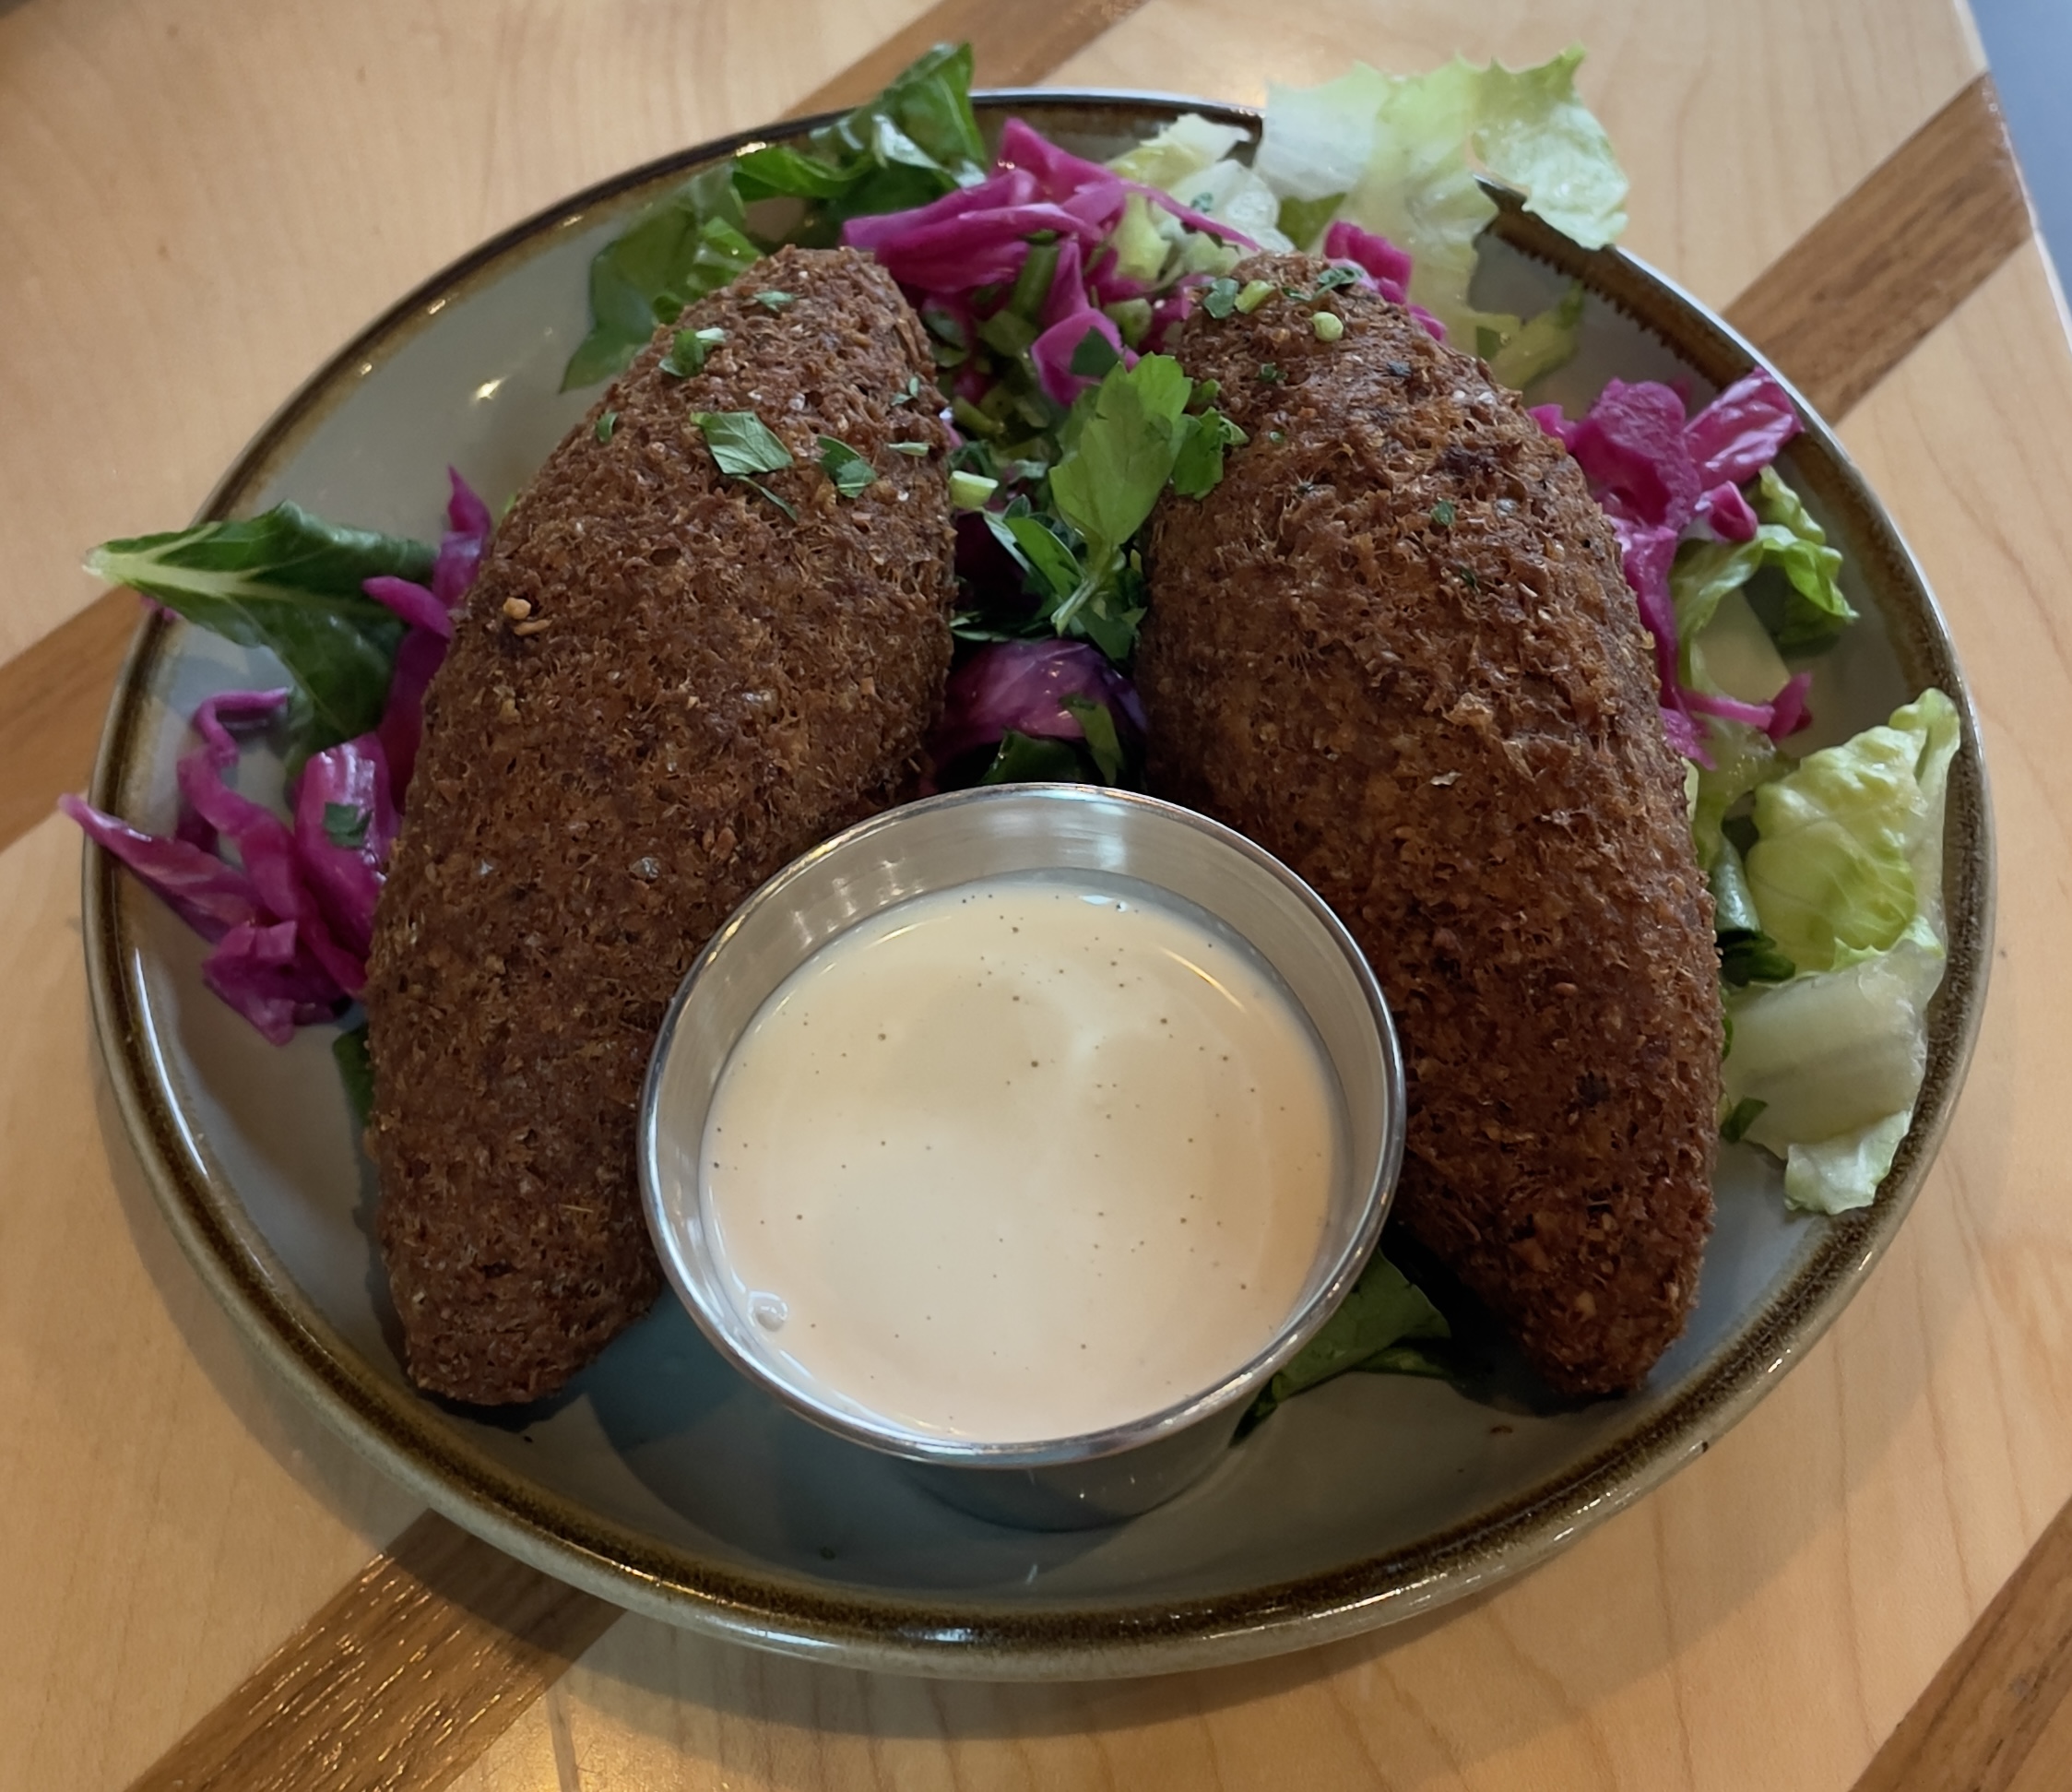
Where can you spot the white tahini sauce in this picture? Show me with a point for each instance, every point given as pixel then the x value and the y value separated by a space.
pixel 1022 1160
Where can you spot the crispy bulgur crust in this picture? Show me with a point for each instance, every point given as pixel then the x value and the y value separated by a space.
pixel 662 691
pixel 1395 647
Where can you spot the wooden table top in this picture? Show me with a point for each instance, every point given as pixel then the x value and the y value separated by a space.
pixel 202 198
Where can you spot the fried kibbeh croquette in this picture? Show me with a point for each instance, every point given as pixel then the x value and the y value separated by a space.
pixel 663 688
pixel 1394 646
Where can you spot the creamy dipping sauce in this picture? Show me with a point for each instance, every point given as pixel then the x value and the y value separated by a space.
pixel 1022 1160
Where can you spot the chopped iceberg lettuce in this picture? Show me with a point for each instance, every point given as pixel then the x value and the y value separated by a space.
pixel 1835 869
pixel 1406 152
pixel 1191 161
pixel 1836 1055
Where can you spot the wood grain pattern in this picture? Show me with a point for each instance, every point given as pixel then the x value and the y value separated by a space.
pixel 1853 297
pixel 168 1510
pixel 1989 1705
pixel 400 1683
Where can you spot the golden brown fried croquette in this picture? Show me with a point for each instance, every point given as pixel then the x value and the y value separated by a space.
pixel 662 690
pixel 1394 646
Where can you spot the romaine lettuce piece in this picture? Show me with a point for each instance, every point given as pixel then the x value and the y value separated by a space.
pixel 1836 870
pixel 1837 1057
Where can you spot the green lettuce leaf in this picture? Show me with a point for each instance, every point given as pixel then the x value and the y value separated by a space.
pixel 1834 868
pixel 1533 133
pixel 1406 152
pixel 913 143
pixel 1816 612
pixel 1542 343
pixel 686 245
pixel 1377 1320
pixel 289 582
pixel 1836 1057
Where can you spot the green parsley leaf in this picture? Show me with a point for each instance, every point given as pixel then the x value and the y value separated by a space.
pixel 1106 486
pixel 1383 1313
pixel 1021 759
pixel 606 424
pixel 1745 1113
pixel 1037 551
pixel 971 491
pixel 1221 299
pixel 772 300
pixel 852 474
pixel 757 484
pixel 1443 513
pixel 1331 279
pixel 345 826
pixel 741 443
pixel 1198 466
pixel 908 394
pixel 1269 373
pixel 688 351
pixel 1097 722
pixel 1095 355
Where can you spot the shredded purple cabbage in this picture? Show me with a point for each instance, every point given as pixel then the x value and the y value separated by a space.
pixel 947 253
pixel 290 916
pixel 1660 475
pixel 1023 686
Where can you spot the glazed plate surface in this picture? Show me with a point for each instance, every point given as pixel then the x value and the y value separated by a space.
pixel 659 1478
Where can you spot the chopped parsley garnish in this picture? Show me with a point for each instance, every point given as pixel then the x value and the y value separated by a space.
pixel 1467 574
pixel 1443 513
pixel 971 491
pixel 1221 299
pixel 1269 372
pixel 1334 277
pixel 851 473
pixel 908 394
pixel 345 826
pixel 1095 355
pixel 773 300
pixel 606 424
pixel 688 351
pixel 743 444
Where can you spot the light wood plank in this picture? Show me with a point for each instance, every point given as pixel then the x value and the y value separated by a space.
pixel 168 1512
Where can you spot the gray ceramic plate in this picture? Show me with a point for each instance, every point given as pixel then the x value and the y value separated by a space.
pixel 661 1480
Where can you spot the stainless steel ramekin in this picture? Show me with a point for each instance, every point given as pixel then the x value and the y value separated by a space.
pixel 1100 1477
